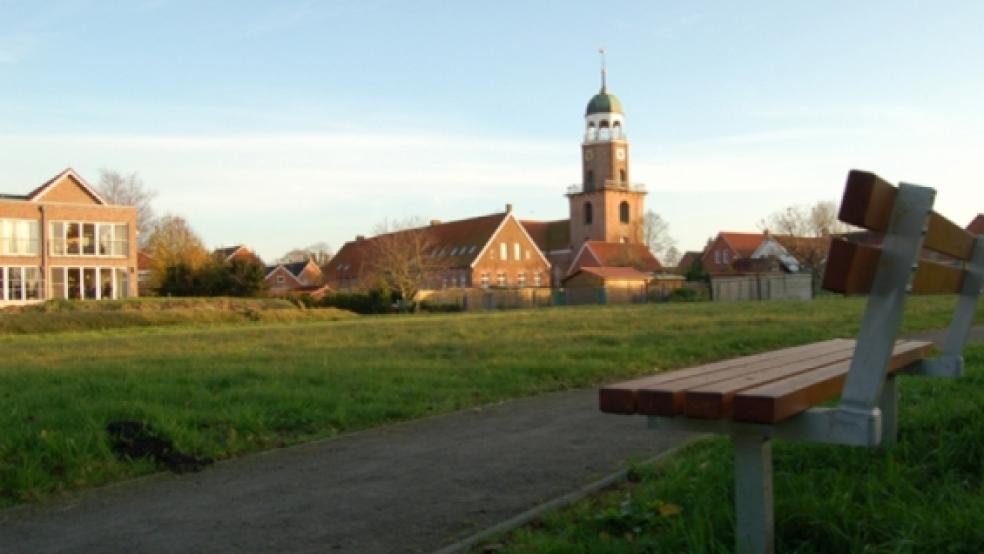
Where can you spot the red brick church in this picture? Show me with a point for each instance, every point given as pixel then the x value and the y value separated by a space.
pixel 604 228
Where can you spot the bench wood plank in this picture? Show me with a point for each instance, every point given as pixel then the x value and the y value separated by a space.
pixel 622 398
pixel 677 398
pixel 868 201
pixel 780 400
pixel 851 269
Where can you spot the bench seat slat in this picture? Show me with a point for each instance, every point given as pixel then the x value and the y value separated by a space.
pixel 868 201
pixel 779 400
pixel 622 398
pixel 673 398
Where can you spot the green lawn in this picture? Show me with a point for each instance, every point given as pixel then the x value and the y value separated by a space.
pixel 926 494
pixel 224 390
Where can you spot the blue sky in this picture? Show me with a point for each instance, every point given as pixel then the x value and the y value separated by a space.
pixel 280 124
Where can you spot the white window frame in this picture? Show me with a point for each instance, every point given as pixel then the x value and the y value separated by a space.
pixel 98 226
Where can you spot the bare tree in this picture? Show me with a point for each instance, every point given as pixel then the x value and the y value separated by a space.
pixel 402 258
pixel 319 252
pixel 804 231
pixel 818 220
pixel 671 257
pixel 129 190
pixel 656 234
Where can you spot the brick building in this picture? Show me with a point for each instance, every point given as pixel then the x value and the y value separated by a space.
pixel 487 251
pixel 604 227
pixel 63 240
pixel 297 277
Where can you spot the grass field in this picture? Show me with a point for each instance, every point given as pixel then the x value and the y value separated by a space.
pixel 62 315
pixel 926 494
pixel 224 390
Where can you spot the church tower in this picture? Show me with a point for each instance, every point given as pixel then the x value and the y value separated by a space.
pixel 606 206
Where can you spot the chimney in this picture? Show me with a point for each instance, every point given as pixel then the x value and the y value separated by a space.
pixel 360 238
pixel 435 222
pixel 508 208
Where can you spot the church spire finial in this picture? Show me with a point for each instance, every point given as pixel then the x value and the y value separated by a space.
pixel 604 71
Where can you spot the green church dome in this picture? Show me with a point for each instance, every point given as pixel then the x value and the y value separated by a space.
pixel 604 102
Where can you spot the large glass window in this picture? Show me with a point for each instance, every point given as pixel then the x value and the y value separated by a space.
pixel 32 283
pixel 19 236
pixel 73 238
pixel 89 282
pixel 57 283
pixel 57 239
pixel 106 282
pixel 89 238
pixel 105 240
pixel 121 240
pixel 74 280
pixel 15 290
pixel 122 283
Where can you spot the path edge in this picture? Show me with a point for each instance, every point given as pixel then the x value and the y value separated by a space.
pixel 529 515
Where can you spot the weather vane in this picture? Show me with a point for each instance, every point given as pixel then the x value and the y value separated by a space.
pixel 604 71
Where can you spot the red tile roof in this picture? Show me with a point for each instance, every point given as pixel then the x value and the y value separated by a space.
pixel 977 225
pixel 549 235
pixel 614 254
pixel 744 244
pixel 462 241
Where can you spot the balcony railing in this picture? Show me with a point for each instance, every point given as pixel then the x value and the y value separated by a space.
pixel 607 185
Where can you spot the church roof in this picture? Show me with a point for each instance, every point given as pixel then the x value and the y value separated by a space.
pixel 604 102
pixel 549 236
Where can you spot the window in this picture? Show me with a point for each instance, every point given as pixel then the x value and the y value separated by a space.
pixel 89 239
pixel 521 280
pixel 121 239
pixel 57 283
pixel 623 212
pixel 122 283
pixel 503 251
pixel 588 213
pixel 73 238
pixel 500 279
pixel 15 289
pixel 57 239
pixel 537 279
pixel 589 181
pixel 280 279
pixel 517 251
pixel 89 282
pixel 621 175
pixel 485 280
pixel 717 256
pixel 105 240
pixel 105 282
pixel 19 236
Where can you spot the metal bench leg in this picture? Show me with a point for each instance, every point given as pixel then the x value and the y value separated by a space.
pixel 754 533
pixel 889 408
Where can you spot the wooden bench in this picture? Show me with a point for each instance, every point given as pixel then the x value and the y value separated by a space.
pixel 776 394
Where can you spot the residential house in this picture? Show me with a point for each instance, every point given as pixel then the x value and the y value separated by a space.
pixel 237 252
pixel 727 247
pixel 617 255
pixel 488 251
pixel 689 261
pixel 64 240
pixel 296 278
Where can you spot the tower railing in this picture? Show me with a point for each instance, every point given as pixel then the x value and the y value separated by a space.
pixel 608 184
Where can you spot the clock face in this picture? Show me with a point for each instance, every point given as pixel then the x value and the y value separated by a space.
pixel 588 155
pixel 620 154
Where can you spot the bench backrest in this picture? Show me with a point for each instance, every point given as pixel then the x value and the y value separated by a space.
pixel 888 269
